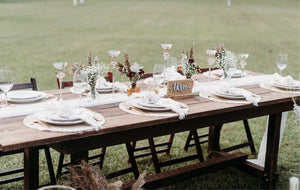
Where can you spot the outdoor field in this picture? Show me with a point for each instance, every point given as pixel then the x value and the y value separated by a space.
pixel 36 33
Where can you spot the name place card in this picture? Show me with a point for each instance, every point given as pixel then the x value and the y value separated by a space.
pixel 179 88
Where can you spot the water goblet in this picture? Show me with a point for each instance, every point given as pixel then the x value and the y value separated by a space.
pixel 158 74
pixel 211 59
pixel 165 51
pixel 113 55
pixel 6 82
pixel 60 74
pixel 80 83
pixel 282 62
pixel 172 62
pixel 243 57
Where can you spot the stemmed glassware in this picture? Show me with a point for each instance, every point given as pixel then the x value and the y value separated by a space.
pixel 113 55
pixel 282 62
pixel 243 57
pixel 80 83
pixel 6 82
pixel 60 74
pixel 165 51
pixel 211 59
pixel 158 74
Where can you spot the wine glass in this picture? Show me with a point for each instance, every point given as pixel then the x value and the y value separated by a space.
pixel 80 83
pixel 113 55
pixel 158 74
pixel 6 82
pixel 165 51
pixel 60 74
pixel 211 59
pixel 282 62
pixel 172 62
pixel 243 57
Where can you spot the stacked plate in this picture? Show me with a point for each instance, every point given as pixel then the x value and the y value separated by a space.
pixel 229 95
pixel 286 86
pixel 25 96
pixel 106 89
pixel 54 118
pixel 140 103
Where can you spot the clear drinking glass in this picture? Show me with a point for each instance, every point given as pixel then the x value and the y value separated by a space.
pixel 60 74
pixel 80 83
pixel 282 62
pixel 6 82
pixel 158 73
pixel 243 57
pixel 172 62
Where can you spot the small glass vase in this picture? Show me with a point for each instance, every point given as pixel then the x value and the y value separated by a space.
pixel 133 89
pixel 93 91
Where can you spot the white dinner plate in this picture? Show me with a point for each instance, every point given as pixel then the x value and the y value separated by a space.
pixel 231 96
pixel 106 89
pixel 25 96
pixel 135 102
pixel 286 87
pixel 44 116
pixel 142 102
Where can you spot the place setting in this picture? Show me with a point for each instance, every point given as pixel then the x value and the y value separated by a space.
pixel 65 118
pixel 280 83
pixel 151 104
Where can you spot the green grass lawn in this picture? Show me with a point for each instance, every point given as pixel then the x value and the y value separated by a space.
pixel 36 33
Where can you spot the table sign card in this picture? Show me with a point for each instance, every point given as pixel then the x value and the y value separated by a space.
pixel 179 88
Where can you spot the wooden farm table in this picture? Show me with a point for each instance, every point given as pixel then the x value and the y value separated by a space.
pixel 122 127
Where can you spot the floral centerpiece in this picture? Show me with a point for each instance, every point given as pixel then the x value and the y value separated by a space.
pixel 225 59
pixel 93 70
pixel 134 73
pixel 187 66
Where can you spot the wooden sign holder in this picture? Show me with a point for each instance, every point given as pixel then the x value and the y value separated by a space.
pixel 180 89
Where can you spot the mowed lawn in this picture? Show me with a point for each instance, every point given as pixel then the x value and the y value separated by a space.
pixel 36 33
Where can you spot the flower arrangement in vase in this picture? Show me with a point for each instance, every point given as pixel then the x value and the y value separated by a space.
pixel 187 65
pixel 225 59
pixel 134 73
pixel 93 70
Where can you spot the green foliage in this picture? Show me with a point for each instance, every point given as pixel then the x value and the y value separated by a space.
pixel 36 33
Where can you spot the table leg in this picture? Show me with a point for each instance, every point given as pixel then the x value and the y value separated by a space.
pixel 214 138
pixel 272 151
pixel 31 168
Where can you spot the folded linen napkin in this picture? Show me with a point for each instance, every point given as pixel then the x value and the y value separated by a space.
pixel 250 97
pixel 172 74
pixel 67 111
pixel 297 111
pixel 288 80
pixel 178 107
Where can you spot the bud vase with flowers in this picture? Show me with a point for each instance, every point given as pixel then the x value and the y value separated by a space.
pixel 93 70
pixel 187 66
pixel 134 73
pixel 225 59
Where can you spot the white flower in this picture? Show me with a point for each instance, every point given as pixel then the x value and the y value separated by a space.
pixel 135 67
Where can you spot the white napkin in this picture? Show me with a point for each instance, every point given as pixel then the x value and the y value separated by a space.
pixel 67 111
pixel 175 106
pixel 101 83
pixel 297 111
pixel 288 80
pixel 172 74
pixel 250 97
pixel 88 117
